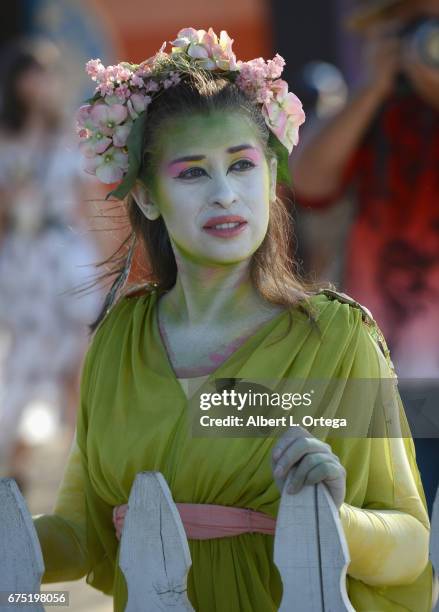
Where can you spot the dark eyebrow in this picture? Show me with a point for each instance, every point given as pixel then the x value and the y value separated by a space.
pixel 188 158
pixel 239 148
pixel 194 158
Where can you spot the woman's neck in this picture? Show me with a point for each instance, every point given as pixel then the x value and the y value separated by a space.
pixel 212 294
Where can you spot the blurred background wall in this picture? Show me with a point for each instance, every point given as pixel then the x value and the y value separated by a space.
pixel 135 29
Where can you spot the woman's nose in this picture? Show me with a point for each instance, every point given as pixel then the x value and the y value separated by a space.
pixel 222 193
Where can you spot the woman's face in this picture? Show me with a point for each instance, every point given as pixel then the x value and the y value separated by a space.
pixel 213 187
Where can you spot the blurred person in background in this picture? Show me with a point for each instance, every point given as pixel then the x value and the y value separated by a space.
pixel 44 251
pixel 384 145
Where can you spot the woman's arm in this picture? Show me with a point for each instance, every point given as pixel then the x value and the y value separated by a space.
pixel 62 534
pixel 383 512
pixel 387 547
pixel 388 538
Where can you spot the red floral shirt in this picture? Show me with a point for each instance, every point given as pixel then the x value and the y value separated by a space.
pixel 392 260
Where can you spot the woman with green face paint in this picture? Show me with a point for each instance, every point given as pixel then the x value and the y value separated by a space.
pixel 212 188
pixel 221 301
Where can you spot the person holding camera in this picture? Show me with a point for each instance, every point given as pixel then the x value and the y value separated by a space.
pixel 384 145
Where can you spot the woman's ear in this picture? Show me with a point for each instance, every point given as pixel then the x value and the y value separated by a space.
pixel 142 198
pixel 273 178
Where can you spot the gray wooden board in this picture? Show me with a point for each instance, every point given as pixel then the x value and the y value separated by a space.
pixel 154 555
pixel 434 543
pixel 311 552
pixel 21 560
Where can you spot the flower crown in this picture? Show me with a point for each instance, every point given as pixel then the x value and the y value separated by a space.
pixel 111 124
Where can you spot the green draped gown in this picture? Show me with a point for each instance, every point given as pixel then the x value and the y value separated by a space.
pixel 133 417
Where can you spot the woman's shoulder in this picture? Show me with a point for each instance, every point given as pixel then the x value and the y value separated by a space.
pixel 128 301
pixel 109 342
pixel 330 311
pixel 329 302
pixel 133 304
pixel 336 313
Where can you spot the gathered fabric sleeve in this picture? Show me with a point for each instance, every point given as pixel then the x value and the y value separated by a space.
pixel 386 523
pixel 62 534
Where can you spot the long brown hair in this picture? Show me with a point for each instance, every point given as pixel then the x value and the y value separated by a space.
pixel 272 267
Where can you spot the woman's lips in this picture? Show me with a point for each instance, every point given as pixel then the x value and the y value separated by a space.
pixel 225 226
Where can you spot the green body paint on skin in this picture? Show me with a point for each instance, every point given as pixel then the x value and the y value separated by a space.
pixel 214 302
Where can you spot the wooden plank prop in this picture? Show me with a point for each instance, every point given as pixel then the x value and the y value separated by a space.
pixel 21 561
pixel 309 549
pixel 434 544
pixel 154 555
pixel 311 552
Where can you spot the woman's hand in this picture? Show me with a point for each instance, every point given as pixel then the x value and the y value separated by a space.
pixel 311 461
pixel 119 513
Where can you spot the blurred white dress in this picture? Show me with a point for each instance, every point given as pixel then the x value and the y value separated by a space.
pixel 45 252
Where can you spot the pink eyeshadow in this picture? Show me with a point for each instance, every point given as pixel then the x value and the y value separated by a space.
pixel 253 155
pixel 175 169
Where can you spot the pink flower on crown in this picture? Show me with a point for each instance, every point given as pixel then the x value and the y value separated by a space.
pixel 137 104
pixel 105 89
pixel 223 54
pixel 83 119
pixel 112 74
pixel 284 114
pixel 102 123
pixel 124 91
pixel 137 81
pixel 122 73
pixel 95 144
pixel 95 69
pixel 106 117
pixel 220 51
pixel 185 37
pixel 152 86
pixel 205 47
pixel 121 133
pixel 255 76
pixel 209 39
pixel 201 50
pixel 109 167
pixel 140 102
pixel 275 66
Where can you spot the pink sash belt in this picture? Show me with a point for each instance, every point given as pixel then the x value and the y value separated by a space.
pixel 209 521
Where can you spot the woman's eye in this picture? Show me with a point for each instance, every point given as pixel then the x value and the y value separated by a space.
pixel 243 164
pixel 192 173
